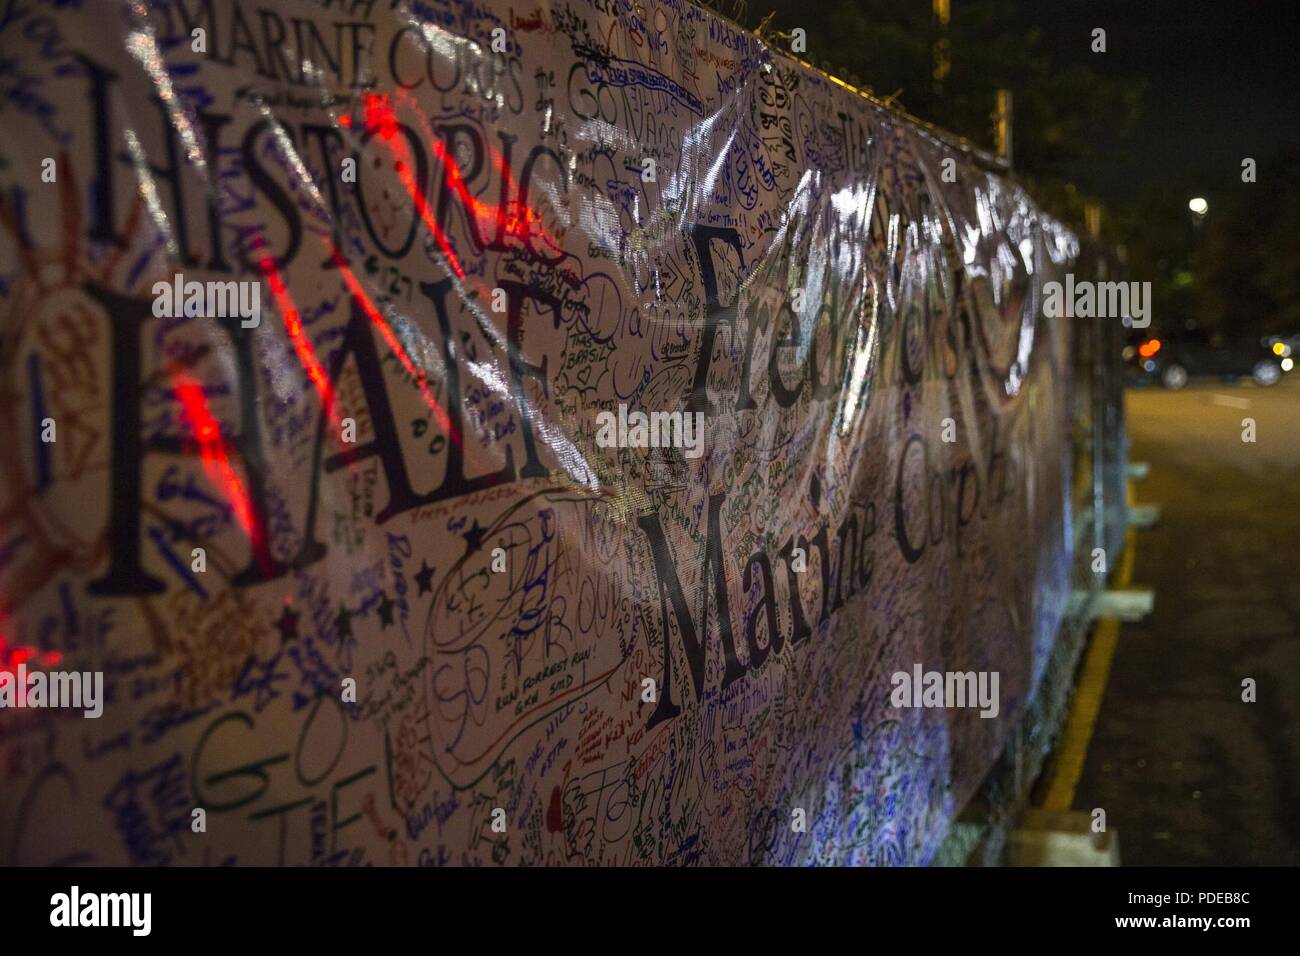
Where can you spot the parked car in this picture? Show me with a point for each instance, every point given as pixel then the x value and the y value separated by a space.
pixel 1174 363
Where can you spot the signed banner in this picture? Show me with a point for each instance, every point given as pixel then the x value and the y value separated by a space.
pixel 459 433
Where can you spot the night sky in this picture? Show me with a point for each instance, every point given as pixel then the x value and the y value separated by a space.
pixel 1222 82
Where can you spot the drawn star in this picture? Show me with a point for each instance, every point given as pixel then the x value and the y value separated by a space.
pixel 386 606
pixel 474 538
pixel 288 625
pixel 425 578
pixel 344 622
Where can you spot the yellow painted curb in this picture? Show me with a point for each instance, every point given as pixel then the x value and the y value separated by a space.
pixel 1076 736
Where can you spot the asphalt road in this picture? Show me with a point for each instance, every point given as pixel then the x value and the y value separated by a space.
pixel 1187 772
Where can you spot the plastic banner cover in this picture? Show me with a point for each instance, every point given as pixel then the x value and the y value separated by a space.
pixel 451 433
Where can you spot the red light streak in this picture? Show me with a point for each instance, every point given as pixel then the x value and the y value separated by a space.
pixel 212 451
pixel 389 337
pixel 11 657
pixel 381 118
pixel 297 334
pixel 517 218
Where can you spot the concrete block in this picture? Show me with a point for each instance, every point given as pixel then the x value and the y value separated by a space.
pixel 1046 838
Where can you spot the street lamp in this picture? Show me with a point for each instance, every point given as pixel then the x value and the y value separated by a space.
pixel 1198 205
